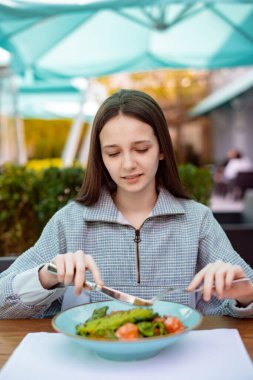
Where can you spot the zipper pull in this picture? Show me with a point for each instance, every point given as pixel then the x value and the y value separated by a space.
pixel 137 238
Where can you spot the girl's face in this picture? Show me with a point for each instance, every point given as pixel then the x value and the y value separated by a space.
pixel 131 153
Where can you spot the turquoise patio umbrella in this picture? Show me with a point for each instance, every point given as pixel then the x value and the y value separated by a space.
pixel 96 38
pixel 51 99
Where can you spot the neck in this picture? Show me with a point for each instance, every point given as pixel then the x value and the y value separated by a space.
pixel 135 202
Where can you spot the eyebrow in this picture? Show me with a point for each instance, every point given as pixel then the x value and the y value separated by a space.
pixel 135 143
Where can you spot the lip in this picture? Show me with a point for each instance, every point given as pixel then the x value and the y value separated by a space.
pixel 132 178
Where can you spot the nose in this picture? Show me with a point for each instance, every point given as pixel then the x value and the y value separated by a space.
pixel 128 162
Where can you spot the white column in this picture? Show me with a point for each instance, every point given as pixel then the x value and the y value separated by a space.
pixel 84 152
pixel 94 99
pixel 70 148
pixel 21 152
pixel 8 141
pixel 6 151
pixel 21 146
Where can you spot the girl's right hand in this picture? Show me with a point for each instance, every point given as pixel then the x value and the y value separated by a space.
pixel 71 268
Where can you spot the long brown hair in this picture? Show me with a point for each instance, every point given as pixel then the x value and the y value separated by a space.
pixel 143 107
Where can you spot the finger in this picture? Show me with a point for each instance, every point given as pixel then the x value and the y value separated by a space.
pixel 209 281
pixel 197 279
pixel 60 265
pixel 234 272
pixel 208 284
pixel 220 277
pixel 69 268
pixel 80 272
pixel 91 265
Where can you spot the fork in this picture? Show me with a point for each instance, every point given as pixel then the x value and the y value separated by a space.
pixel 180 290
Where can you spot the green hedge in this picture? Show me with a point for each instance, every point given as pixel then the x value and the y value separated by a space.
pixel 197 182
pixel 29 198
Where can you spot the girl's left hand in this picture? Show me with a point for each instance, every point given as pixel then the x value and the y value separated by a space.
pixel 216 278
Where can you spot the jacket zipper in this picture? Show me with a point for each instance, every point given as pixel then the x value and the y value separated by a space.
pixel 137 240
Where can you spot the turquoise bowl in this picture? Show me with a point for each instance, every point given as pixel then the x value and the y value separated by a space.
pixel 144 348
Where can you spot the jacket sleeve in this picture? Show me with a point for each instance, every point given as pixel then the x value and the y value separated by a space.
pixel 50 243
pixel 214 245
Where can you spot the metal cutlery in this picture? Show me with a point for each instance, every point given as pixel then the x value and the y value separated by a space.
pixel 124 297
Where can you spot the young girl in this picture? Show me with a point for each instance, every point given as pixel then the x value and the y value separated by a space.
pixel 132 227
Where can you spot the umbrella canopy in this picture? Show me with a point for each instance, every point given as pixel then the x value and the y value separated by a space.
pixel 223 95
pixel 52 99
pixel 96 38
pixel 4 57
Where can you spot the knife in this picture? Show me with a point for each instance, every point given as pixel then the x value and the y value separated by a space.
pixel 109 292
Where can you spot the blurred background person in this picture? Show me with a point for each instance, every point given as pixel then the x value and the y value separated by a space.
pixel 236 163
pixel 226 173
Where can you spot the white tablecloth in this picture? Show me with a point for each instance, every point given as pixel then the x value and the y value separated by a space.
pixel 202 355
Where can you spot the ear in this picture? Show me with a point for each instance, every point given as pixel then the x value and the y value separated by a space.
pixel 161 156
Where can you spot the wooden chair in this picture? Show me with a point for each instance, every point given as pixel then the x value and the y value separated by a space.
pixel 242 182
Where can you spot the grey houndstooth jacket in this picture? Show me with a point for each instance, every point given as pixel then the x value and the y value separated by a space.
pixel 176 241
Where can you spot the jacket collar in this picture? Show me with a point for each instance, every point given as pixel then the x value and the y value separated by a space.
pixel 105 209
pixel 167 204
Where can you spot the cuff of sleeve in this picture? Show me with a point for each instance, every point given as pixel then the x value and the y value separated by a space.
pixel 242 311
pixel 28 287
